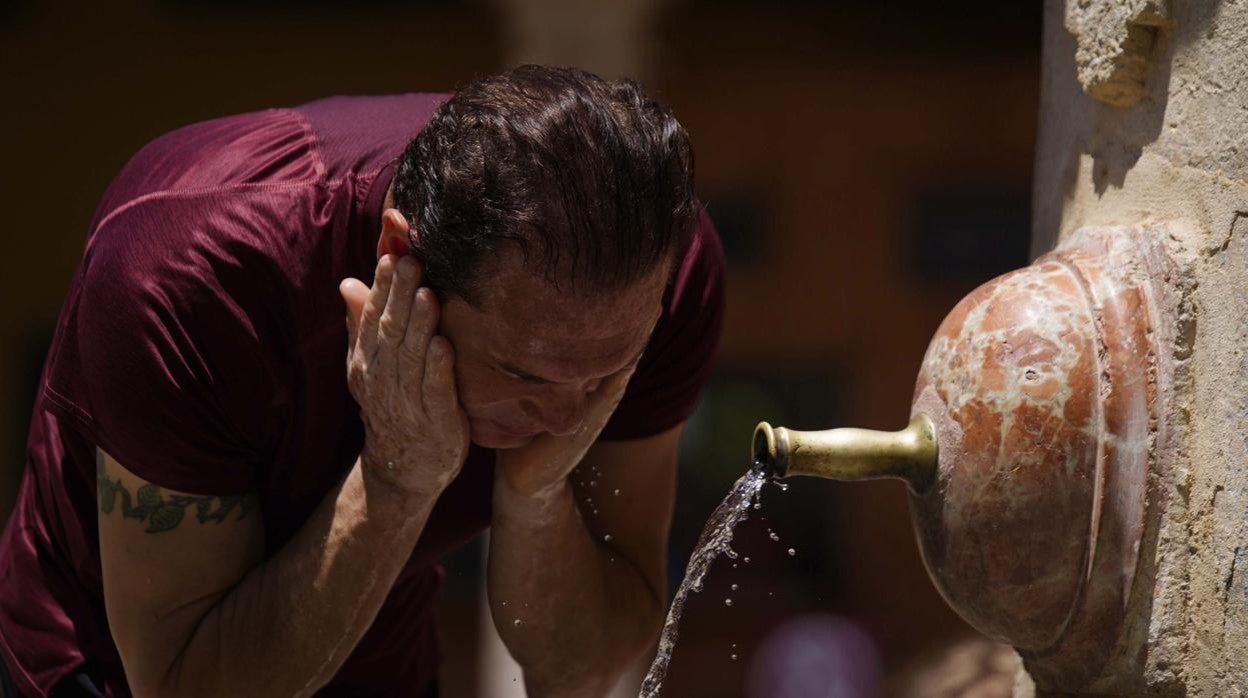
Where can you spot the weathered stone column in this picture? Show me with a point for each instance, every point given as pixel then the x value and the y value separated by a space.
pixel 1144 125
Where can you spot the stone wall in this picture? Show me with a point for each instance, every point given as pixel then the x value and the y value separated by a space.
pixel 1144 120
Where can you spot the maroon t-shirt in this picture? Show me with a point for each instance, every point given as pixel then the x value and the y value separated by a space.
pixel 203 345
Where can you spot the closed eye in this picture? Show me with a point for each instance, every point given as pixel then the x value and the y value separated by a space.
pixel 517 374
pixel 523 377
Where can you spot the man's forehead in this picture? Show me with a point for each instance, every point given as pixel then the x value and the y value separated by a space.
pixel 546 323
pixel 529 320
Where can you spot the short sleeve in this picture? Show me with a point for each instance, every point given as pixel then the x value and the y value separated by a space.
pixel 677 362
pixel 161 365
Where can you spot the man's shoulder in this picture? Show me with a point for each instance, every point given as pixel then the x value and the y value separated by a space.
pixel 327 111
pixel 697 285
pixel 264 147
pixel 355 133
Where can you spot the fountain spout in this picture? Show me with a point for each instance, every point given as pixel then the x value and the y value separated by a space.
pixel 850 454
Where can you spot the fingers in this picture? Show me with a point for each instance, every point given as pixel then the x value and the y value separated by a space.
pixel 393 329
pixel 354 295
pixel 439 385
pixel 603 401
pixel 421 325
pixel 612 389
pixel 392 326
pixel 374 307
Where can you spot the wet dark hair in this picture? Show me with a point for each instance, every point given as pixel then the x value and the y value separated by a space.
pixel 590 179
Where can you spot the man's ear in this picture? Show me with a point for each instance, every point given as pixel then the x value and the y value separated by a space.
pixel 394 234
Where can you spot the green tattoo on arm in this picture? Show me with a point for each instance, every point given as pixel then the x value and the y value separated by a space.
pixel 163 511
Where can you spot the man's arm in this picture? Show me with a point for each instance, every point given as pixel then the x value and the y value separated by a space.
pixel 194 612
pixel 191 607
pixel 576 573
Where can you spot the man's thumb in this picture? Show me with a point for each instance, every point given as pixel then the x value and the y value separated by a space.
pixel 354 293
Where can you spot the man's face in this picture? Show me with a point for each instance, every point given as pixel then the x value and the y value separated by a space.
pixel 528 358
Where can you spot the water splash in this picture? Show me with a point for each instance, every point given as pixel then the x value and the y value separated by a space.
pixel 715 539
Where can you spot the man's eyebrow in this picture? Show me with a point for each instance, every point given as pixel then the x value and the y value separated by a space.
pixel 521 373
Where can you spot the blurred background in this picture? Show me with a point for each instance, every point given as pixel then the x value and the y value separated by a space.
pixel 867 164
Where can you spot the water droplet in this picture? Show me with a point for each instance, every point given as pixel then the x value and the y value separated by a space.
pixel 758 505
pixel 773 536
pixel 792 552
pixel 734 588
pixel 607 538
pixel 616 492
pixel 732 554
pixel 727 602
pixel 595 512
pixel 734 657
pixel 516 622
pixel 783 487
pixel 593 483
pixel 504 603
pixel 734 645
pixel 747 558
pixel 734 565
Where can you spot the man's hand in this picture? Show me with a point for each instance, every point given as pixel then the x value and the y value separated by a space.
pixel 544 463
pixel 403 377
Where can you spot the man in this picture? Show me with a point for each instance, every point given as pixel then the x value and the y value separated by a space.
pixel 230 491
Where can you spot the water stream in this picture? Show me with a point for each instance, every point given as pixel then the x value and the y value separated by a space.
pixel 715 539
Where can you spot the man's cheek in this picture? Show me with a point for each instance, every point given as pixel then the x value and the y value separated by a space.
pixel 482 394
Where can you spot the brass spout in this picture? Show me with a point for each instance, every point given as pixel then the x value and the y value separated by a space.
pixel 850 454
